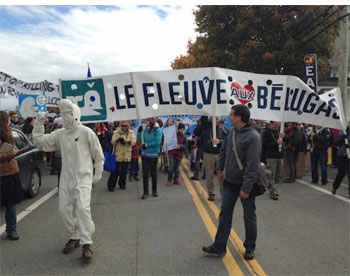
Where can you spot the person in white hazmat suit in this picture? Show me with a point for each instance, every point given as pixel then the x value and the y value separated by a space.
pixel 79 146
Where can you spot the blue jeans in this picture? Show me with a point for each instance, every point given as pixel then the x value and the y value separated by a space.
pixel 174 168
pixel 319 155
pixel 10 218
pixel 230 196
pixel 134 167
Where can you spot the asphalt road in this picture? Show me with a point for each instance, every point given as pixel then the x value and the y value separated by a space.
pixel 305 232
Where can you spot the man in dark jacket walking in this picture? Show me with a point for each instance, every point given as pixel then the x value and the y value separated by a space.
pixel 320 140
pixel 237 184
pixel 272 143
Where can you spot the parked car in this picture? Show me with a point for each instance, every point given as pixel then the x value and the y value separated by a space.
pixel 29 159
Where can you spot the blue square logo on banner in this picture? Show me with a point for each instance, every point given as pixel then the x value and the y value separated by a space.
pixel 29 105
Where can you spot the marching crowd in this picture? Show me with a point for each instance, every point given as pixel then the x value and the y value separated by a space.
pixel 75 152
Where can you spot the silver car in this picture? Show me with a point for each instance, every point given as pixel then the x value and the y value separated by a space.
pixel 29 159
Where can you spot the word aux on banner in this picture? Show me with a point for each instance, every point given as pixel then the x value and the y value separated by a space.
pixel 29 105
pixel 170 138
pixel 310 62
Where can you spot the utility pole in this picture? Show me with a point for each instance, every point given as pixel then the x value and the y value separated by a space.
pixel 344 62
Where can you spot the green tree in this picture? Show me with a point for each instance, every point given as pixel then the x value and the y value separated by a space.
pixel 261 39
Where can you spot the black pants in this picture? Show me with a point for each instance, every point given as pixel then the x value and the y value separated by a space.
pixel 343 168
pixel 291 159
pixel 149 165
pixel 121 172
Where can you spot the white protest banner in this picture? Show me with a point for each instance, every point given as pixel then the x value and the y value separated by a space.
pixel 170 138
pixel 333 97
pixel 201 91
pixel 17 87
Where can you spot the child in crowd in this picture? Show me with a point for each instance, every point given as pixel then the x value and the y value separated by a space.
pixel 176 155
pixel 134 164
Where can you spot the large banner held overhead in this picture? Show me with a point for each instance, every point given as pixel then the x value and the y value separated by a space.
pixel 201 91
pixel 13 87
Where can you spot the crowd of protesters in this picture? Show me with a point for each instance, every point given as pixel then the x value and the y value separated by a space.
pixel 274 146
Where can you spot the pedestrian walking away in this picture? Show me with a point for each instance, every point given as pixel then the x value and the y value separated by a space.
pixel 79 148
pixel 237 184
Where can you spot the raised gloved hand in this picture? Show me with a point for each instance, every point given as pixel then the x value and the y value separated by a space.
pixel 40 118
pixel 96 178
pixel 139 130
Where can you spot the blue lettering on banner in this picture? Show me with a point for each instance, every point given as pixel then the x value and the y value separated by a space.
pixel 297 97
pixel 194 93
pixel 219 91
pixel 322 108
pixel 129 96
pixel 147 95
pixel 275 97
pixel 160 95
pixel 309 107
pixel 262 97
pixel 117 103
pixel 206 98
pixel 174 93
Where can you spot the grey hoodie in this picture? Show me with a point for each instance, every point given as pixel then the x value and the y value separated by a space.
pixel 248 146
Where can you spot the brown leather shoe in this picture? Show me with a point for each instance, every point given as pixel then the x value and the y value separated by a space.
pixel 70 246
pixel 87 251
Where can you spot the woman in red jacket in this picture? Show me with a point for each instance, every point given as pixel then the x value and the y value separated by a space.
pixel 11 190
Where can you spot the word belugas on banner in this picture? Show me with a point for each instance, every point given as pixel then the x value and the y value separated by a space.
pixel 15 87
pixel 202 91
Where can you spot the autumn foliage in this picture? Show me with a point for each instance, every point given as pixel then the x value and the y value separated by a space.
pixel 261 39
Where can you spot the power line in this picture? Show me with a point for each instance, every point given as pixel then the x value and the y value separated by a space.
pixel 313 21
pixel 329 16
pixel 327 27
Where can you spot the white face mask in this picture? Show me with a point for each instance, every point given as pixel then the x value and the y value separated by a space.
pixel 68 121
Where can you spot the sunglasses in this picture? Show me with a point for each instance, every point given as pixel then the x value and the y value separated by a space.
pixel 124 125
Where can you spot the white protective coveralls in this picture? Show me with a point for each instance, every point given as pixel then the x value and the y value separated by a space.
pixel 79 146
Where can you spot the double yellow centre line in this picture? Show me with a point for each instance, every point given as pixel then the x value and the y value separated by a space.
pixel 230 263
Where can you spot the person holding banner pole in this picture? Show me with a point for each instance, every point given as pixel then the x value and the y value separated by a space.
pixel 211 147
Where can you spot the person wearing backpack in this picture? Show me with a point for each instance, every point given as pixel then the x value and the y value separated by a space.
pixel 320 138
pixel 238 184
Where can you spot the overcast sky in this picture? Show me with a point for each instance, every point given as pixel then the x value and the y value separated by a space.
pixel 52 42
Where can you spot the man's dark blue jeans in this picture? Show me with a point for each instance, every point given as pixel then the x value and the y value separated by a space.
pixel 319 155
pixel 10 218
pixel 230 196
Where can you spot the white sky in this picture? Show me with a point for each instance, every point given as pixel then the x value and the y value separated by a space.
pixel 47 43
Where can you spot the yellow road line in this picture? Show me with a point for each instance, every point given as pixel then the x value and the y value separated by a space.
pixel 229 262
pixel 253 266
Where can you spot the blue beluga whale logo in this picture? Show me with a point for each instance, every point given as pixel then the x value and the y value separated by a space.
pixel 88 95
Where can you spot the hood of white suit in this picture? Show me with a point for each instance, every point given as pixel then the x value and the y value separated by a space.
pixel 70 114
